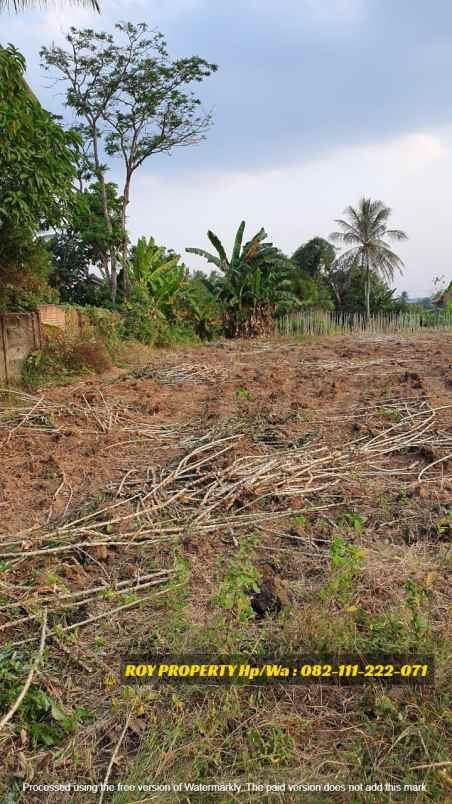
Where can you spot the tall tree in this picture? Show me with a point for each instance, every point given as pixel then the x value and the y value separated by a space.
pixel 38 167
pixel 38 159
pixel 364 233
pixel 133 101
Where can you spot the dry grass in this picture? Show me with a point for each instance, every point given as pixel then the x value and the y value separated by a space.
pixel 341 513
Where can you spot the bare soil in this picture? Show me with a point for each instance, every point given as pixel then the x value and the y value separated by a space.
pixel 93 496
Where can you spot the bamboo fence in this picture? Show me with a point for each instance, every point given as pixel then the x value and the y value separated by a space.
pixel 320 322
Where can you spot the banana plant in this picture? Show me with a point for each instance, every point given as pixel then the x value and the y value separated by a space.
pixel 160 274
pixel 254 282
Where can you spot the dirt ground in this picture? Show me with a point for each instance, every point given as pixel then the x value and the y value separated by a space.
pixel 286 494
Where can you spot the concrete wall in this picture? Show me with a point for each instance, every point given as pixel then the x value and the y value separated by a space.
pixel 20 334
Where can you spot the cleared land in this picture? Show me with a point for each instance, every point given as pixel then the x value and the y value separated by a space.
pixel 318 472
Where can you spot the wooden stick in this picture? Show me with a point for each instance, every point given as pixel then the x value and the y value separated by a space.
pixel 114 755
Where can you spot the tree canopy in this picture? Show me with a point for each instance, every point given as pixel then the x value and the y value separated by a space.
pixel 132 101
pixel 314 255
pixel 38 158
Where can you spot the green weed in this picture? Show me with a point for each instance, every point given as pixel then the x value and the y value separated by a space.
pixel 43 718
pixel 346 563
pixel 243 393
pixel 241 579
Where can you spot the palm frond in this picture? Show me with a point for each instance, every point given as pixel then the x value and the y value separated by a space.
pixel 209 257
pixel 24 5
pixel 396 234
pixel 238 243
pixel 261 235
pixel 216 243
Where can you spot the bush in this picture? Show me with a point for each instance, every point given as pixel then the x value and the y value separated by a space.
pixel 61 359
pixel 89 355
pixel 144 323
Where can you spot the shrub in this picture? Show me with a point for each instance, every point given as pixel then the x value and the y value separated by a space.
pixel 60 359
pixel 145 323
pixel 89 355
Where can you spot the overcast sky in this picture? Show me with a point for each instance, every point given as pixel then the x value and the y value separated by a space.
pixel 316 103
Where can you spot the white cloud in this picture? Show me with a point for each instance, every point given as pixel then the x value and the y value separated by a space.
pixel 300 201
pixel 409 154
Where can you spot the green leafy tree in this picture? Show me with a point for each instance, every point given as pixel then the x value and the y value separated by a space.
pixel 25 266
pixel 100 239
pixel 314 256
pixel 71 272
pixel 255 283
pixel 364 233
pixel 351 293
pixel 38 159
pixel 38 165
pixel 84 243
pixel 133 101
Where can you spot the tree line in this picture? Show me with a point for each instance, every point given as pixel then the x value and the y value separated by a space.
pixel 64 224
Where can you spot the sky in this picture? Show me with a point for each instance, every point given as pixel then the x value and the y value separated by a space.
pixel 315 104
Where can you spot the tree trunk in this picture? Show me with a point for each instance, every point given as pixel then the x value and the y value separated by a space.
pixel 367 289
pixel 106 213
pixel 125 243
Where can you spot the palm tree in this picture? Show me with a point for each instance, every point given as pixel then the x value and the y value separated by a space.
pixel 255 283
pixel 364 230
pixel 24 5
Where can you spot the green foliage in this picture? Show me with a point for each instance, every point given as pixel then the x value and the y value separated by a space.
pixel 202 308
pixel 133 101
pixel 348 287
pixel 25 266
pixel 346 563
pixel 43 718
pixel 158 272
pixel 415 599
pixel 108 327
pixel 254 285
pixel 144 323
pixel 61 360
pixel 353 519
pixel 241 579
pixel 70 274
pixel 313 256
pixel 38 158
pixel 38 162
pixel 100 238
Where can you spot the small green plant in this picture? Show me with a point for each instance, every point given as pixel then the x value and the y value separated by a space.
pixel 241 579
pixel 346 563
pixel 444 524
pixel 39 715
pixel 353 519
pixel 415 599
pixel 243 393
pixel 391 413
